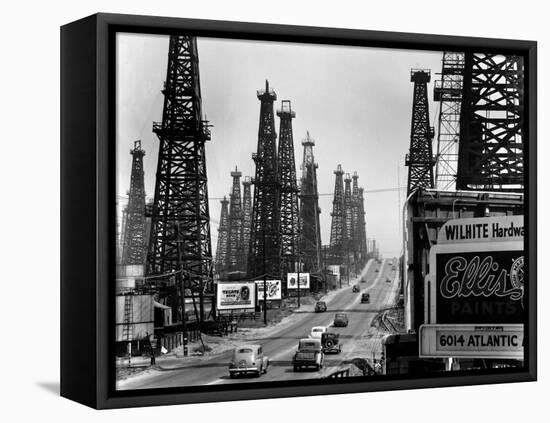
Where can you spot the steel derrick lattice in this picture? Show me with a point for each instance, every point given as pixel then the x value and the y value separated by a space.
pixel 247 219
pixel 337 229
pixel 180 216
pixel 491 124
pixel 420 160
pixel 310 233
pixel 264 250
pixel 134 247
pixel 234 247
pixel 223 229
pixel 362 229
pixel 448 91
pixel 288 192
pixel 355 239
pixel 348 220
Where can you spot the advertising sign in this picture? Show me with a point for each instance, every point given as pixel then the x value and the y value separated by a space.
pixel 292 279
pixel 235 295
pixel 273 290
pixel 477 282
pixel 481 341
pixel 482 229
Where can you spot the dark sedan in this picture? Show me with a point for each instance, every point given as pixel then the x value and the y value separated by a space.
pixel 340 319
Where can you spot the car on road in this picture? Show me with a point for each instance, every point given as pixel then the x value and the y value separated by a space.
pixel 355 288
pixel 248 359
pixel 317 332
pixel 388 280
pixel 365 298
pixel 331 343
pixel 340 319
pixel 309 354
pixel 363 280
pixel 320 307
pixel 377 270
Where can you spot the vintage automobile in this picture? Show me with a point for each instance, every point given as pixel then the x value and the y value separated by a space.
pixel 377 270
pixel 331 342
pixel 248 359
pixel 340 319
pixel 320 307
pixel 365 298
pixel 355 288
pixel 309 354
pixel 363 280
pixel 317 331
pixel 388 280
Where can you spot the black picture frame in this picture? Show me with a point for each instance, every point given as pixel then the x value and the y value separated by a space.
pixel 87 211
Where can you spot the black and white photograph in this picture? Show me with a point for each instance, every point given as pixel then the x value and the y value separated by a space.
pixel 293 211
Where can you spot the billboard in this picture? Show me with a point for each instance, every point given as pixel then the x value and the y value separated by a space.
pixel 235 295
pixel 480 281
pixel 480 341
pixel 273 290
pixel 291 281
pixel 474 303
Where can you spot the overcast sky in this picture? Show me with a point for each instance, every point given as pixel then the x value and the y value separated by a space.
pixel 356 103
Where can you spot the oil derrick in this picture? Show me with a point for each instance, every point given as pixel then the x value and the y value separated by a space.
pixel 355 240
pixel 491 124
pixel 133 249
pixel 247 219
pixel 180 227
pixel 348 220
pixel 337 229
pixel 264 251
pixel 221 249
pixel 288 192
pixel 448 91
pixel 310 233
pixel 420 160
pixel 234 247
pixel 362 229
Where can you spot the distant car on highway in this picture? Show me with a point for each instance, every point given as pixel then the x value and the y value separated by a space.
pixel 376 270
pixel 340 319
pixel 365 298
pixel 248 359
pixel 355 288
pixel 309 354
pixel 320 306
pixel 363 280
pixel 388 280
pixel 317 331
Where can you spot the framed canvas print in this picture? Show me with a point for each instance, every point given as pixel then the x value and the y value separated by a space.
pixel 254 211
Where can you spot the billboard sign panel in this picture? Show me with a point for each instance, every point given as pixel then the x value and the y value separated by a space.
pixel 480 341
pixel 235 295
pixel 292 279
pixel 273 290
pixel 477 282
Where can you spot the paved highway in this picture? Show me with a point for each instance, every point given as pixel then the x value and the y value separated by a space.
pixel 280 345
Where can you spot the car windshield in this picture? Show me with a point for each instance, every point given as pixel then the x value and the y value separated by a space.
pixel 341 315
pixel 244 351
pixel 318 330
pixel 321 303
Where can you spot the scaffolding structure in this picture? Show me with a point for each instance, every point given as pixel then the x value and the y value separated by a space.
pixel 448 91
pixel 180 227
pixel 491 124
pixel 288 191
pixel 223 232
pixel 420 159
pixel 134 247
pixel 234 242
pixel 337 228
pixel 310 232
pixel 264 251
